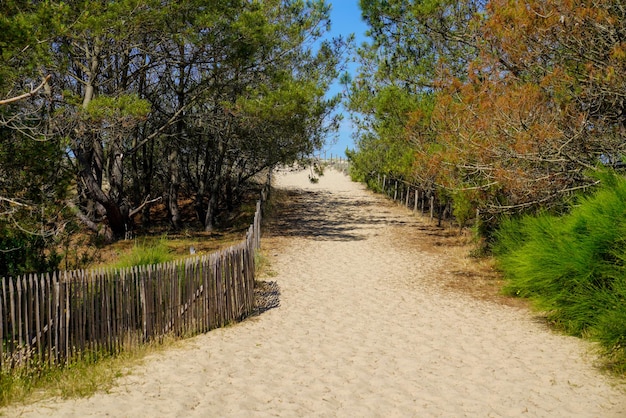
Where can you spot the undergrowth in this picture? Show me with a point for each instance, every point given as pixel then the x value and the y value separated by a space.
pixel 146 252
pixel 573 267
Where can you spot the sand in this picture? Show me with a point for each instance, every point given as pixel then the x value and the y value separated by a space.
pixel 363 329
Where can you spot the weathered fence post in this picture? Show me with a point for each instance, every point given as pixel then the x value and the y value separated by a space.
pixel 395 191
pixel 408 194
pixel 432 206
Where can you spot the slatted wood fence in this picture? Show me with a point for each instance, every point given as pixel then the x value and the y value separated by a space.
pixel 57 318
pixel 414 197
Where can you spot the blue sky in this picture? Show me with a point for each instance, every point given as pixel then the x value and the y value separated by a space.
pixel 345 18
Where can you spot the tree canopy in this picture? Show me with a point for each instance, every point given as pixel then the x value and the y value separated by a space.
pixel 148 101
pixel 505 106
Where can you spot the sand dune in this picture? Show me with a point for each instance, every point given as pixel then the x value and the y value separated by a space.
pixel 362 330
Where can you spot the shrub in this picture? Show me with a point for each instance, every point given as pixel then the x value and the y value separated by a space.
pixel 573 267
pixel 22 253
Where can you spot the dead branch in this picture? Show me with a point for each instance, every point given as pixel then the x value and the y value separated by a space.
pixel 84 219
pixel 26 95
pixel 13 202
pixel 140 207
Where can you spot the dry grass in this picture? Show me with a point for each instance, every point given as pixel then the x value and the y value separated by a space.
pixel 83 251
pixel 80 379
pixel 462 272
pixel 179 244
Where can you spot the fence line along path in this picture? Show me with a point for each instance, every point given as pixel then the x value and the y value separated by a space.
pixel 363 329
pixel 55 319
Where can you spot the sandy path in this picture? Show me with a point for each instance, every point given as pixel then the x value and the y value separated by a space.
pixel 362 330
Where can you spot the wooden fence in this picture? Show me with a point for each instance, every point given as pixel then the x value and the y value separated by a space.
pixel 56 318
pixel 414 197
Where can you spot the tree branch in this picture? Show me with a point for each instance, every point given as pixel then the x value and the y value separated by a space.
pixel 82 217
pixel 140 207
pixel 26 95
pixel 13 202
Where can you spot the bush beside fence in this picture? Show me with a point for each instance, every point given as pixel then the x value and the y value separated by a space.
pixel 57 318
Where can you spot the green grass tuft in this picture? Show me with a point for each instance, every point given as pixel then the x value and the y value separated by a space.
pixel 573 267
pixel 147 252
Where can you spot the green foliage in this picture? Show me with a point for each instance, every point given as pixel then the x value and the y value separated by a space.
pixel 150 99
pixel 19 49
pixel 36 182
pixel 22 253
pixel 464 206
pixel 526 100
pixel 384 148
pixel 573 267
pixel 146 253
pixel 118 108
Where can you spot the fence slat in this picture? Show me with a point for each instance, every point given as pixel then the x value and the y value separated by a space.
pixel 39 299
pixel 66 293
pixel 28 316
pixel 205 294
pixel 57 319
pixel 20 341
pixel 49 317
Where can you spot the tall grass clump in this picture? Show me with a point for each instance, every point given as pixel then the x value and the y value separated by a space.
pixel 573 267
pixel 145 253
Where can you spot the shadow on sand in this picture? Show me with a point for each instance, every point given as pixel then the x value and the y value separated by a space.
pixel 324 215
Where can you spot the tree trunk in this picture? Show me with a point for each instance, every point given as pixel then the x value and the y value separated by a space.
pixel 200 208
pixel 89 175
pixel 173 188
pixel 211 212
pixel 116 173
pixel 148 170
pixel 212 206
pixel 117 222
